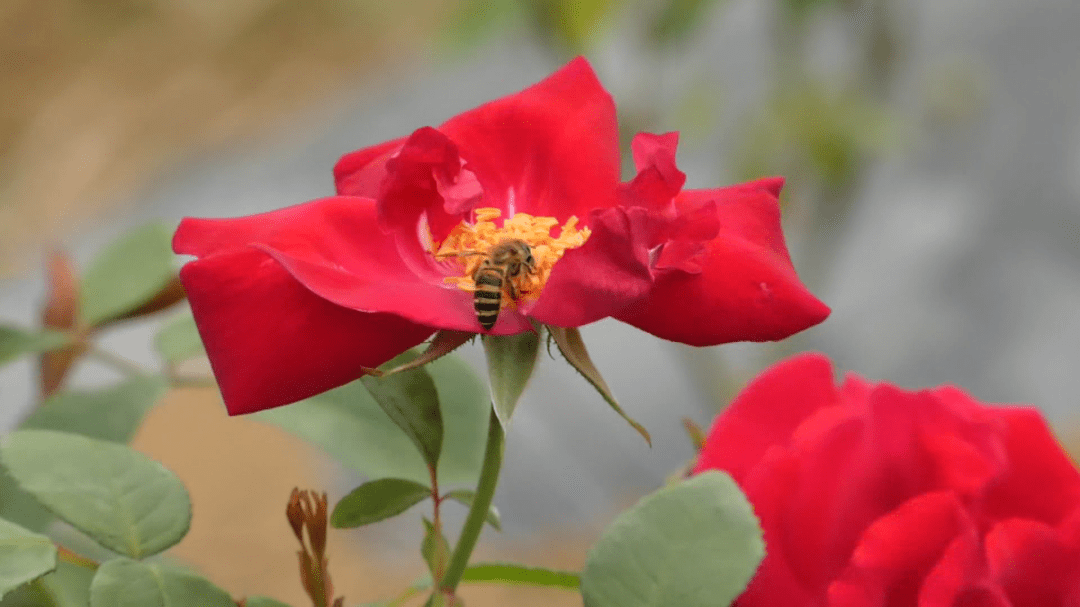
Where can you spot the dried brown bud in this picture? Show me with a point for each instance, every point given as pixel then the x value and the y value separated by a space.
pixel 60 312
pixel 295 513
pixel 317 526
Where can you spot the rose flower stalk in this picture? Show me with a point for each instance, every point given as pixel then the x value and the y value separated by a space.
pixel 872 496
pixel 506 215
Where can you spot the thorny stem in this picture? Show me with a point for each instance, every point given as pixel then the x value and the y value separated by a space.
pixel 485 491
pixel 436 522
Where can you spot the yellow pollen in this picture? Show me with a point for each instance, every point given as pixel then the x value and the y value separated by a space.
pixel 470 243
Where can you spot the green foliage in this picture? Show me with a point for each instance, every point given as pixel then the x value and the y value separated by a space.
pixel 67 586
pixel 521 575
pixel 435 549
pixel 573 349
pixel 19 506
pixel 410 400
pixel 465 497
pixel 16 342
pixel 24 556
pixel 122 499
pixel 178 339
pixel 510 361
pixel 806 128
pixel 377 500
pixel 352 427
pixel 127 273
pixel 126 583
pixel 571 24
pixel 693 544
pixel 111 414
pixel 677 19
pixel 262 601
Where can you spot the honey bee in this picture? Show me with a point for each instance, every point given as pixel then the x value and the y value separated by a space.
pixel 502 264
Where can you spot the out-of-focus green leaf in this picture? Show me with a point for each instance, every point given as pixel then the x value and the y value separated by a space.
pixel 15 342
pixel 24 556
pixel 434 548
pixel 351 427
pixel 510 361
pixel 124 500
pixel 19 506
pixel 126 583
pixel 574 24
pixel 128 273
pixel 67 586
pixel 377 500
pixel 675 21
pixel 262 601
pixel 410 400
pixel 694 544
pixel 178 339
pixel 512 573
pixel 112 414
pixel 472 22
pixel 465 497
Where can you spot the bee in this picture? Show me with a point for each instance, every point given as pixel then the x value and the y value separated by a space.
pixel 502 264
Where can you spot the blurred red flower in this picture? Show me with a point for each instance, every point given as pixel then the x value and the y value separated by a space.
pixel 300 300
pixel 872 495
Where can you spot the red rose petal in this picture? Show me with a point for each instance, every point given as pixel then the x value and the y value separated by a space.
pixel 335 248
pixel 1043 483
pixel 361 173
pixel 272 342
pixel 604 275
pixel 747 289
pixel 551 150
pixel 1033 562
pixel 767 487
pixel 767 412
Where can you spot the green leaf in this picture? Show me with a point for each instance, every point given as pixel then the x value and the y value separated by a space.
pixel 19 506
pixel 126 583
pixel 15 342
pixel 410 399
pixel 693 544
pixel 512 573
pixel 128 273
pixel 112 414
pixel 262 601
pixel 24 556
pixel 678 18
pixel 464 496
pixel 122 499
pixel 510 360
pixel 573 348
pixel 435 549
pixel 377 500
pixel 178 339
pixel 67 586
pixel 350 426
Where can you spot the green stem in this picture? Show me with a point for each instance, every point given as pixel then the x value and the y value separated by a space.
pixel 485 491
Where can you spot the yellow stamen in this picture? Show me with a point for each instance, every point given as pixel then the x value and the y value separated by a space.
pixel 471 242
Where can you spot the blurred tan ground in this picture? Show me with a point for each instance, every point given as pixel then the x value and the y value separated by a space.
pixel 240 473
pixel 104 96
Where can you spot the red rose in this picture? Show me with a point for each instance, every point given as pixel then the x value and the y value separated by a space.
pixel 297 301
pixel 872 495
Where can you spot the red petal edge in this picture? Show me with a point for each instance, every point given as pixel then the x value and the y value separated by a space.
pixel 272 342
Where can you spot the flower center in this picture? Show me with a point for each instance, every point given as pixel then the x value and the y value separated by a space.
pixel 472 244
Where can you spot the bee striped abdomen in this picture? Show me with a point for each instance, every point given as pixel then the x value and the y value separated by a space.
pixel 487 299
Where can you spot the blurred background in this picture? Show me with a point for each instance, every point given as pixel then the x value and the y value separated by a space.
pixel 931 148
